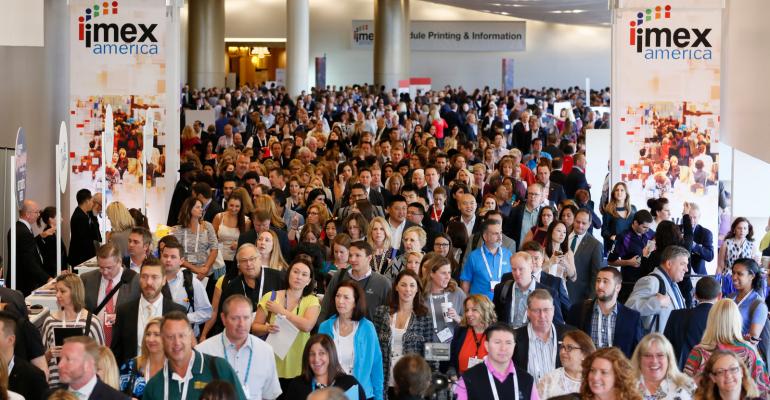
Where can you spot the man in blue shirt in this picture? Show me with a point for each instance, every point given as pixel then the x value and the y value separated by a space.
pixel 485 266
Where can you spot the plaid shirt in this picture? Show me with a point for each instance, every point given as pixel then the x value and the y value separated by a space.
pixel 604 338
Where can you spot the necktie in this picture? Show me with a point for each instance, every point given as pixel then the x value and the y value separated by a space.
pixel 109 309
pixel 574 243
pixel 147 313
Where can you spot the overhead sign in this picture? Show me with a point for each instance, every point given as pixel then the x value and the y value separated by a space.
pixel 451 35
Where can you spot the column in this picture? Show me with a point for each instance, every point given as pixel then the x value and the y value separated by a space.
pixel 391 42
pixel 206 44
pixel 297 46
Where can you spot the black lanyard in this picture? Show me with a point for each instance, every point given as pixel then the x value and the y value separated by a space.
pixel 477 342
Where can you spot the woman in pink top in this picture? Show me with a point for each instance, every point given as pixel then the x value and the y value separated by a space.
pixel 440 124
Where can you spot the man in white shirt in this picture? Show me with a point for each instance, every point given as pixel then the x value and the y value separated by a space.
pixel 128 331
pixel 251 358
pixel 468 213
pixel 397 219
pixel 77 369
pixel 182 282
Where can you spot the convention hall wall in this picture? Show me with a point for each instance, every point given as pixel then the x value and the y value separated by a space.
pixel 556 55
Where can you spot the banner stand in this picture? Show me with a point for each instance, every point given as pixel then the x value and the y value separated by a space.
pixel 57 151
pixel 14 216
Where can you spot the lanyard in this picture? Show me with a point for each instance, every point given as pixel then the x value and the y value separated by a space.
pixel 313 385
pixel 477 342
pixel 197 234
pixel 185 382
pixel 248 365
pixel 499 268
pixel 261 285
pixel 433 311
pixel 494 387
pixel 64 319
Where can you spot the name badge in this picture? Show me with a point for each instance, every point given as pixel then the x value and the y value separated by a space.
pixel 198 385
pixel 473 361
pixel 444 335
pixel 109 319
pixel 492 284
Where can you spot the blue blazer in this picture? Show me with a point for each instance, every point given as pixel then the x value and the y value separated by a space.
pixel 628 326
pixel 685 328
pixel 702 249
pixel 367 366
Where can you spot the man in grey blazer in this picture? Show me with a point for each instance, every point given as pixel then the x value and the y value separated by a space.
pixel 110 274
pixel 655 303
pixel 588 258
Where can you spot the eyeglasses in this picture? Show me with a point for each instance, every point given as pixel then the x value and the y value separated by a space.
pixel 722 372
pixel 246 261
pixel 440 244
pixel 570 348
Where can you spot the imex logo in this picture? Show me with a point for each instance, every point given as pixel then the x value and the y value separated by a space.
pixel 361 34
pixel 108 37
pixel 666 43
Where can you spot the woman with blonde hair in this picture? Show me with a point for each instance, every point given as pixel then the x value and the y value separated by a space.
pixel 269 249
pixel 137 371
pixel 107 368
pixel 72 313
pixel 265 202
pixel 655 366
pixel 413 239
pixel 121 223
pixel 378 235
pixel 607 375
pixel 468 346
pixel 723 332
pixel 726 379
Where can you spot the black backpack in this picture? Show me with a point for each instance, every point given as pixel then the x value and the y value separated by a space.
pixel 763 347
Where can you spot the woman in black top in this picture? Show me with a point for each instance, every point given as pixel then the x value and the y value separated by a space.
pixel 320 369
pixel 46 242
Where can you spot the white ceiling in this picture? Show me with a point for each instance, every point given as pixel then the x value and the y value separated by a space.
pixel 578 12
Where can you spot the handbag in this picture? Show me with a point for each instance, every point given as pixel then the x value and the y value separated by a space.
pixel 218 267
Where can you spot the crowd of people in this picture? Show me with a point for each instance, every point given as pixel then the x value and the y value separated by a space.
pixel 357 243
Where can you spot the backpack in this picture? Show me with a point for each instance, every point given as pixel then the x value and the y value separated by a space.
pixel 763 347
pixel 187 283
pixel 656 318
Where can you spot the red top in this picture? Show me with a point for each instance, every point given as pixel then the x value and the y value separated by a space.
pixel 470 349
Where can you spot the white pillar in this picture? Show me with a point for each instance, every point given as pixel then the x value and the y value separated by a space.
pixel 206 45
pixel 391 42
pixel 297 46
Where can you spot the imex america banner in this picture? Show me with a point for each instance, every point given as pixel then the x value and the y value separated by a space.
pixel 666 103
pixel 118 57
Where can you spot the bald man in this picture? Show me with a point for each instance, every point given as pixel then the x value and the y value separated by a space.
pixel 29 262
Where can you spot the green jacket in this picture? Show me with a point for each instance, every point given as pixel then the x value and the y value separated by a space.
pixel 202 374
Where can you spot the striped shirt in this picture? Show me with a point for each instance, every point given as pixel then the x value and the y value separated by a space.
pixel 603 338
pixel 47 331
pixel 542 354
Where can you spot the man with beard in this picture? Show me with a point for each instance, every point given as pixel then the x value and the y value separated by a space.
pixel 128 331
pixel 608 322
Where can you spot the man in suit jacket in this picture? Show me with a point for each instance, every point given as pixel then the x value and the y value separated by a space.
pixel 557 175
pixel 541 328
pixel 588 258
pixel 553 283
pixel 702 243
pixel 203 192
pixel 77 370
pixel 624 325
pixel 576 179
pixel 656 302
pixel 553 192
pixel 110 269
pixel 29 262
pixel 685 327
pixel 524 216
pixel 83 230
pixel 510 296
pixel 24 378
pixel 134 315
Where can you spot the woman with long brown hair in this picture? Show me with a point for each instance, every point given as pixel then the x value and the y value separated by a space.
pixel 617 215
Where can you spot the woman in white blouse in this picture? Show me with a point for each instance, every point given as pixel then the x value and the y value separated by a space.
pixel 576 346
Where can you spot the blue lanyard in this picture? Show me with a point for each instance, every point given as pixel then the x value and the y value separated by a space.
pixel 248 366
